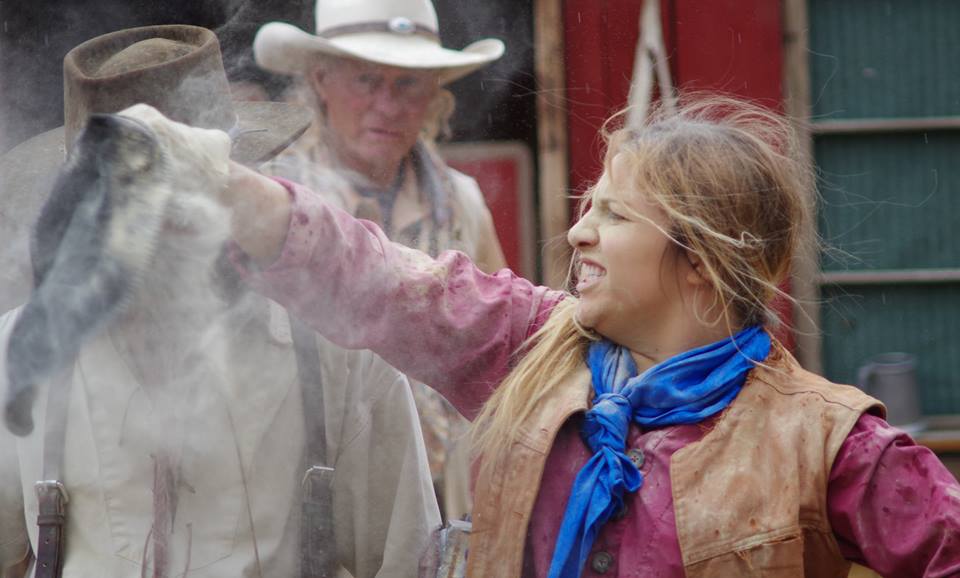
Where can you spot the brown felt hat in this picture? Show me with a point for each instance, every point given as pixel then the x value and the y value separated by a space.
pixel 178 70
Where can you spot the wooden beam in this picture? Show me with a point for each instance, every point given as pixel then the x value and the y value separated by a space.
pixel 885 125
pixel 940 442
pixel 899 276
pixel 552 140
pixel 803 282
pixel 942 433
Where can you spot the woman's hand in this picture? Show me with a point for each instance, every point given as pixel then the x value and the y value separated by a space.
pixel 261 213
pixel 197 158
pixel 200 162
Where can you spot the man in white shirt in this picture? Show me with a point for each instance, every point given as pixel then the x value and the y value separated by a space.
pixel 240 470
pixel 185 422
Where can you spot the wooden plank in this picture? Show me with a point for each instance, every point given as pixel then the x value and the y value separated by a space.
pixel 890 276
pixel 885 125
pixel 552 140
pixel 942 434
pixel 732 46
pixel 585 81
pixel 589 99
pixel 940 442
pixel 796 87
pixel 890 59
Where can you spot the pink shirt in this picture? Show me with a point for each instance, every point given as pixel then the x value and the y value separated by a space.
pixel 893 506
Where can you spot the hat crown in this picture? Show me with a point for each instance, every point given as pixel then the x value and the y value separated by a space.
pixel 177 69
pixel 144 54
pixel 333 14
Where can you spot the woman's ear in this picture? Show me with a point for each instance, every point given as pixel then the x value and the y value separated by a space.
pixel 697 274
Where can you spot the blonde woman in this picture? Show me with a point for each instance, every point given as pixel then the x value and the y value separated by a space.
pixel 648 425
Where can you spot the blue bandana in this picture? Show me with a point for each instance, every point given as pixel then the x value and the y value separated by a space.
pixel 684 389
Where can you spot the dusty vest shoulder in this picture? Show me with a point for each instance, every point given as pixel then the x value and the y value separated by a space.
pixel 750 497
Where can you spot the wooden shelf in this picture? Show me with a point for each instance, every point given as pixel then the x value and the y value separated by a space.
pixel 940 441
pixel 884 125
pixel 913 276
pixel 942 434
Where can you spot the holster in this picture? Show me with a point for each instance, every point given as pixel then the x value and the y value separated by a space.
pixel 447 555
pixel 317 542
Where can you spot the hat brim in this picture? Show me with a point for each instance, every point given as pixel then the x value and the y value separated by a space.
pixel 284 48
pixel 266 128
pixel 29 170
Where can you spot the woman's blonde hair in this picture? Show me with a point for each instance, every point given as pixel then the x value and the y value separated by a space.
pixel 734 184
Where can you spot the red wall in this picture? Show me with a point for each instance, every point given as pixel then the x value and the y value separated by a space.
pixel 733 46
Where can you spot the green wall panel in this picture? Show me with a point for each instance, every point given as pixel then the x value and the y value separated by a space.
pixel 890 201
pixel 884 58
pixel 861 322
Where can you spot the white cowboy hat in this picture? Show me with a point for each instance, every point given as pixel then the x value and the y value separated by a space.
pixel 402 33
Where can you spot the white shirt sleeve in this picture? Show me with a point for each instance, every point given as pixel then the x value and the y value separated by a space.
pixel 14 544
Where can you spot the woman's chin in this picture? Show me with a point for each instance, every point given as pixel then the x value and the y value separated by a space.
pixel 584 317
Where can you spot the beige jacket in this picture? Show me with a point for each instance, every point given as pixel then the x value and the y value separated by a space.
pixel 471 228
pixel 778 439
pixel 238 511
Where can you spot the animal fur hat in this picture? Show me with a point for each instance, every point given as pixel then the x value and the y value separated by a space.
pixel 178 70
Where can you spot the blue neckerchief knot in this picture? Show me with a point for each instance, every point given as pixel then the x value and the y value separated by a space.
pixel 684 389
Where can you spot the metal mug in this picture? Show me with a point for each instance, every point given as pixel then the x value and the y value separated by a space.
pixel 892 378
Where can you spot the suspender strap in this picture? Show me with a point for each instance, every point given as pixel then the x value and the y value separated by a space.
pixel 317 540
pixel 51 494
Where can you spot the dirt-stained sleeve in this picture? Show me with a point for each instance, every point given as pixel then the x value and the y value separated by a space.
pixel 442 321
pixel 893 505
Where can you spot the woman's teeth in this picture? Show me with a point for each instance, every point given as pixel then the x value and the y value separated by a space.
pixel 590 272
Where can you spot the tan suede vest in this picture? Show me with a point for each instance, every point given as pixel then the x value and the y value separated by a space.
pixel 749 497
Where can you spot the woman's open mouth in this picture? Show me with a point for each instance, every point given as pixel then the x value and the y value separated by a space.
pixel 589 274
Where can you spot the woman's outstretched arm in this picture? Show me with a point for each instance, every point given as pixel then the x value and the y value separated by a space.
pixel 441 321
pixel 260 211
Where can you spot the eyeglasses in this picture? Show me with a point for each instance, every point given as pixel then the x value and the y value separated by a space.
pixel 408 88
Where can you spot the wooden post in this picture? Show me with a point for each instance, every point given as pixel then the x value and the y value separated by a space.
pixel 552 140
pixel 806 269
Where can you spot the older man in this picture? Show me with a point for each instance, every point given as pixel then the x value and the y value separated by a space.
pixel 374 72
